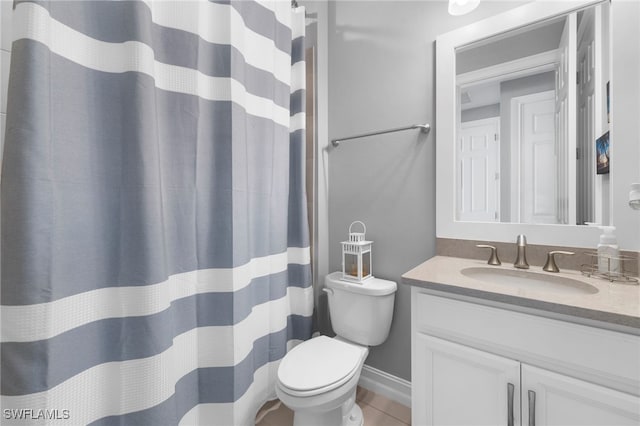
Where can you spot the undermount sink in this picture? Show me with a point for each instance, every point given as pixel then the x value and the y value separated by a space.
pixel 529 280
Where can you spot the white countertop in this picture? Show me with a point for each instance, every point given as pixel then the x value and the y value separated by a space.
pixel 614 303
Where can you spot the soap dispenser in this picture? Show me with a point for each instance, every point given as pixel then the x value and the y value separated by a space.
pixel 608 252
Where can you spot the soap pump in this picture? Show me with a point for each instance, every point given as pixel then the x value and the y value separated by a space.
pixel 608 252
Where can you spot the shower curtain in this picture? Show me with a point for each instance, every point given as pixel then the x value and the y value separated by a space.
pixel 155 255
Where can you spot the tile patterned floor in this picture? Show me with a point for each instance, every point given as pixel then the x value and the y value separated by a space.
pixel 377 410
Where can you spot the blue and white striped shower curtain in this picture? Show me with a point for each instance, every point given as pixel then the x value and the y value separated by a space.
pixel 155 251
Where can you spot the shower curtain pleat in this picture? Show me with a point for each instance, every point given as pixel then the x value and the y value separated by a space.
pixel 155 250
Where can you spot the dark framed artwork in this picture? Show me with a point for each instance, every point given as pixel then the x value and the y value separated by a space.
pixel 602 154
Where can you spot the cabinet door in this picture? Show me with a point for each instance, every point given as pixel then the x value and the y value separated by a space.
pixel 456 385
pixel 553 399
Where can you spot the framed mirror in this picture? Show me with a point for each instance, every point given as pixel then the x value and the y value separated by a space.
pixel 527 100
pixel 522 108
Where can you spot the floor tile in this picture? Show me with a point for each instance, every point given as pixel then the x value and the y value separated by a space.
pixel 266 408
pixel 377 411
pixel 375 417
pixel 280 416
pixel 392 408
pixel 361 393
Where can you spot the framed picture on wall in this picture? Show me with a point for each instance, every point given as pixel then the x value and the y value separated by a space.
pixel 602 154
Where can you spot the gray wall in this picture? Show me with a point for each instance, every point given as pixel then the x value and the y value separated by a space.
pixel 508 90
pixel 480 113
pixel 381 75
pixel 520 45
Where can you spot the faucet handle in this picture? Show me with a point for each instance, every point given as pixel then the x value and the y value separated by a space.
pixel 493 260
pixel 550 265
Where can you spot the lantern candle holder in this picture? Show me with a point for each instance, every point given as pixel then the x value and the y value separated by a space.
pixel 356 256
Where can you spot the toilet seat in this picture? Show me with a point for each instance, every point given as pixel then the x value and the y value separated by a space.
pixel 319 365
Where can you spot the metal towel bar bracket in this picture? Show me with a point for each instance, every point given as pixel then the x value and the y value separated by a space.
pixel 424 128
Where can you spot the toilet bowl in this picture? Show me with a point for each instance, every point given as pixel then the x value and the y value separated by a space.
pixel 318 378
pixel 318 381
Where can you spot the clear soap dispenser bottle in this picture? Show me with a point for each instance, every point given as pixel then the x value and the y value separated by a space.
pixel 608 251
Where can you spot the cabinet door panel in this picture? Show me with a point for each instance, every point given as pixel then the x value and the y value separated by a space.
pixel 562 400
pixel 457 385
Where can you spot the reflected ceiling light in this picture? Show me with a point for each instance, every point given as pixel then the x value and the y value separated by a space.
pixel 460 7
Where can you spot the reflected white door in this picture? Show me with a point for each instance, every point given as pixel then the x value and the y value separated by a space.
pixel 535 163
pixel 565 110
pixel 478 169
pixel 586 118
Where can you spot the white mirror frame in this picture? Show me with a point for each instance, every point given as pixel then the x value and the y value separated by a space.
pixel 446 44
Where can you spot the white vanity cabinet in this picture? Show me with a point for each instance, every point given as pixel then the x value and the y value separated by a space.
pixel 474 364
pixel 550 398
pixel 454 384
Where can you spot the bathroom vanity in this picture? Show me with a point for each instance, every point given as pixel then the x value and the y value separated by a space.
pixel 486 352
pixel 494 345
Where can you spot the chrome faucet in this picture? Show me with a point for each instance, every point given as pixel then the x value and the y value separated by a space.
pixel 521 257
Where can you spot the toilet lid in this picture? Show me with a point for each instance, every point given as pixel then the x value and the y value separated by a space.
pixel 318 363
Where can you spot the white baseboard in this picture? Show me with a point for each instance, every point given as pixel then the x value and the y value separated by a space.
pixel 386 384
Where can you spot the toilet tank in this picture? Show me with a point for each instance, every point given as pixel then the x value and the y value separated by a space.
pixel 361 312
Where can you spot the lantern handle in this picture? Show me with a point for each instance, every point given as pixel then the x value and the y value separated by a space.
pixel 361 223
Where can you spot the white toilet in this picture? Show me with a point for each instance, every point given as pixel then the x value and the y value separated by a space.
pixel 317 379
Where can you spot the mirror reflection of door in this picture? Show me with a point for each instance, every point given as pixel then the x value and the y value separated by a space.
pixel 590 114
pixel 565 121
pixel 479 170
pixel 534 162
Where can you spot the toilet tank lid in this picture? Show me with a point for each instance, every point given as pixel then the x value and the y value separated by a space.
pixel 371 287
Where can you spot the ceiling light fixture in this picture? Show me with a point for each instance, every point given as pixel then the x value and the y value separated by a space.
pixel 460 7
